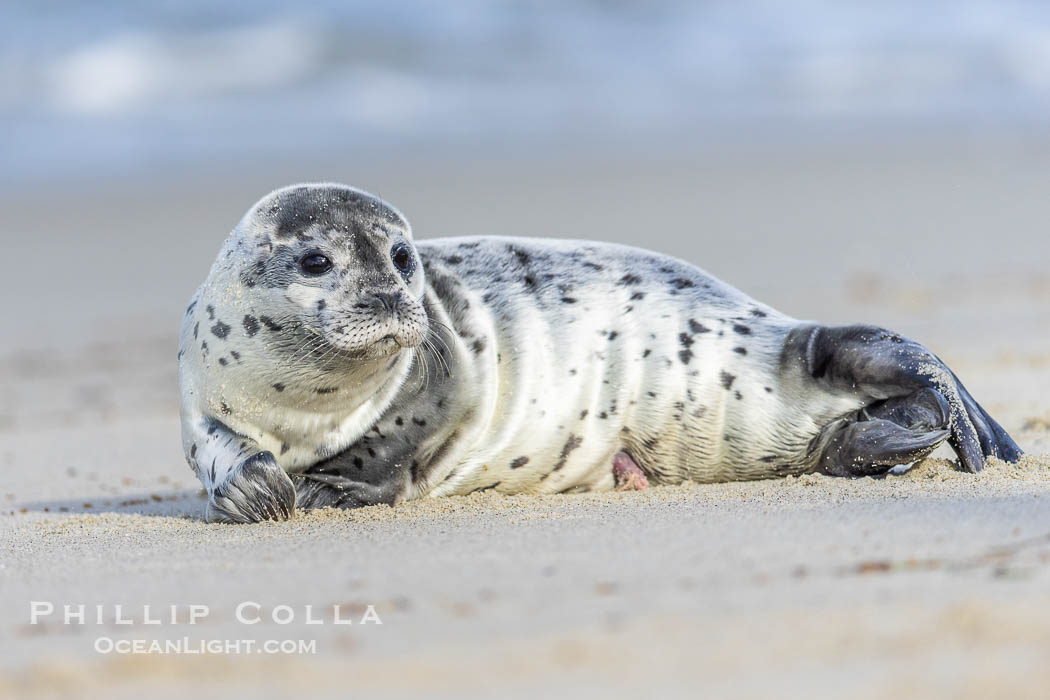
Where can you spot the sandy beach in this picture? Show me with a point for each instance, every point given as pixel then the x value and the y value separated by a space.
pixel 929 583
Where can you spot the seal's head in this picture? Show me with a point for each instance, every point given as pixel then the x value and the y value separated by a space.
pixel 335 270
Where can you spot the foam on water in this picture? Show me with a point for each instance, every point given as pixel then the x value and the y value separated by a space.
pixel 89 86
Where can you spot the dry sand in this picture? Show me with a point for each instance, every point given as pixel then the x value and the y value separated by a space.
pixel 922 584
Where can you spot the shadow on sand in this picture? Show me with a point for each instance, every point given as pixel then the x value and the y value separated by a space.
pixel 186 503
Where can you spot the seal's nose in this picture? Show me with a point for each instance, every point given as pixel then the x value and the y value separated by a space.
pixel 388 301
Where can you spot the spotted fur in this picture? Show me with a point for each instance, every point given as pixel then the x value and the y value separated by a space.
pixel 520 365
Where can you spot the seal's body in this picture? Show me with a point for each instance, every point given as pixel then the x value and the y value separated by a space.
pixel 326 344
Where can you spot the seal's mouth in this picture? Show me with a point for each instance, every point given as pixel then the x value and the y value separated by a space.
pixel 384 347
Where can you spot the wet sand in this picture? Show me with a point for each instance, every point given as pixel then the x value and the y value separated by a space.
pixel 922 584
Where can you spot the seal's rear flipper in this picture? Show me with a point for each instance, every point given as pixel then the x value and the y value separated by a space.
pixel 923 410
pixel 874 447
pixel 885 434
pixel 903 383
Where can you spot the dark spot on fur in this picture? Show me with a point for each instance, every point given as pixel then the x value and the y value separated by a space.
pixel 637 296
pixel 278 386
pixel 454 259
pixel 741 329
pixel 260 269
pixel 583 414
pixel 685 356
pixel 196 329
pixel 399 421
pixel 519 462
pixel 478 346
pixel 236 355
pixel 220 329
pixel 193 450
pixel 285 447
pixel 768 458
pixel 223 361
pixel 697 327
pixel 682 283
pixel 321 304
pixel 603 415
pixel 647 352
pixel 571 444
pixel 225 409
pixel 612 335
pixel 568 300
pixel 740 351
pixel 326 389
pixel 685 339
pixel 359 463
pixel 419 421
pixel 270 323
pixel 738 395
pixel 523 256
pixel 629 279
pixel 769 390
pixel 251 325
pixel 211 312
pixel 727 379
pixel 371 453
pixel 759 312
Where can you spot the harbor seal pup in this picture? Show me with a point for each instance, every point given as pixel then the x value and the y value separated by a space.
pixel 331 360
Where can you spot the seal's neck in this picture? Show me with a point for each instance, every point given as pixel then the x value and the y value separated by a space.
pixel 343 390
pixel 308 425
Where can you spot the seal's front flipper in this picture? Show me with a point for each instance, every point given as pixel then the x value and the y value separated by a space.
pixel 257 489
pixel 245 483
pixel 320 490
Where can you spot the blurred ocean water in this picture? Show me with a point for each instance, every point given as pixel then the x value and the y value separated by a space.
pixel 123 87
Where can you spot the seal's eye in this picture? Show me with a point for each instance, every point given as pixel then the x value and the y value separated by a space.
pixel 401 254
pixel 315 264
